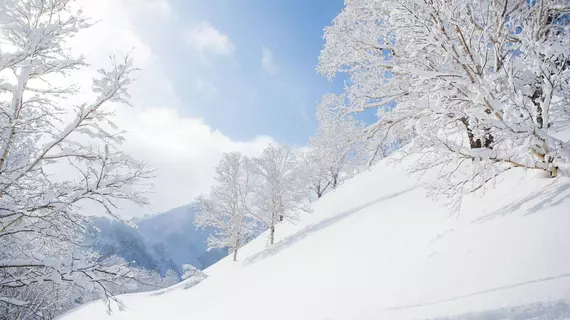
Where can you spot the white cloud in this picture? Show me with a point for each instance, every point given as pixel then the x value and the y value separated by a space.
pixel 206 39
pixel 183 150
pixel 205 87
pixel 161 7
pixel 114 33
pixel 268 63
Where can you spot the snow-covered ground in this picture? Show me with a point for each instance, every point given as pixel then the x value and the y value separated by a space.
pixel 377 248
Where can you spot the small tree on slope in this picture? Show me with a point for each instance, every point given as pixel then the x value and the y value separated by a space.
pixel 338 141
pixel 228 208
pixel 334 152
pixel 55 157
pixel 280 191
pixel 314 171
pixel 474 84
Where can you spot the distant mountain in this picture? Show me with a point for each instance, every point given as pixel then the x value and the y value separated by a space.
pixel 159 242
pixel 117 238
pixel 174 231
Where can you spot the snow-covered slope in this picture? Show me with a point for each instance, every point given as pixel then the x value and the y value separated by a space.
pixel 377 248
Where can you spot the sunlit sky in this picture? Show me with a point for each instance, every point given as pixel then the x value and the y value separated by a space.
pixel 216 76
pixel 246 67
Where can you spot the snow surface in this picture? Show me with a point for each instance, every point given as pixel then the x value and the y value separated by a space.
pixel 377 248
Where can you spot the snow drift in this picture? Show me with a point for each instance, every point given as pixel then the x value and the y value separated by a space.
pixel 377 248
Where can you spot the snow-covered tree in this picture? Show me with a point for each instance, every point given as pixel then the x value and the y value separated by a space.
pixel 471 84
pixel 338 141
pixel 228 208
pixel 144 280
pixel 192 276
pixel 58 159
pixel 45 301
pixel 335 151
pixel 49 298
pixel 280 189
pixel 314 171
pixel 189 271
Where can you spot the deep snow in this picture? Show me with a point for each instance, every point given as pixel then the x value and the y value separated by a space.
pixel 377 248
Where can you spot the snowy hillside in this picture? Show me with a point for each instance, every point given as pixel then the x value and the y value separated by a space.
pixel 377 248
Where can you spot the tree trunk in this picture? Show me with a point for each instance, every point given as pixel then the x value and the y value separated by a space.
pixel 271 234
pixel 16 108
pixel 535 98
pixel 321 189
pixel 334 180
pixel 554 172
pixel 476 143
pixel 236 250
pixel 488 139
pixel 472 142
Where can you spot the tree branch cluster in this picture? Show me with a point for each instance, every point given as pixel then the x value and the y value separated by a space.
pixel 484 81
pixel 58 161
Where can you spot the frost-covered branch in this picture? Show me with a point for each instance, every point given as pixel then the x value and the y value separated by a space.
pixel 59 162
pixel 280 192
pixel 490 79
pixel 229 207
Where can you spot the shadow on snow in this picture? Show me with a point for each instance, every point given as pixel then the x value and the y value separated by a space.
pixel 537 311
pixel 292 239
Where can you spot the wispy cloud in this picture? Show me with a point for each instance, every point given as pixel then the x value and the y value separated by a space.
pixel 268 63
pixel 206 39
pixel 205 87
pixel 184 150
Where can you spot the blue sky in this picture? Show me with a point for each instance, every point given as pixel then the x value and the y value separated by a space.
pixel 232 92
pixel 215 76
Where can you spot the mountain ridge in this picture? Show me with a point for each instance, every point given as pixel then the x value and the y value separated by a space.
pixel 160 242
